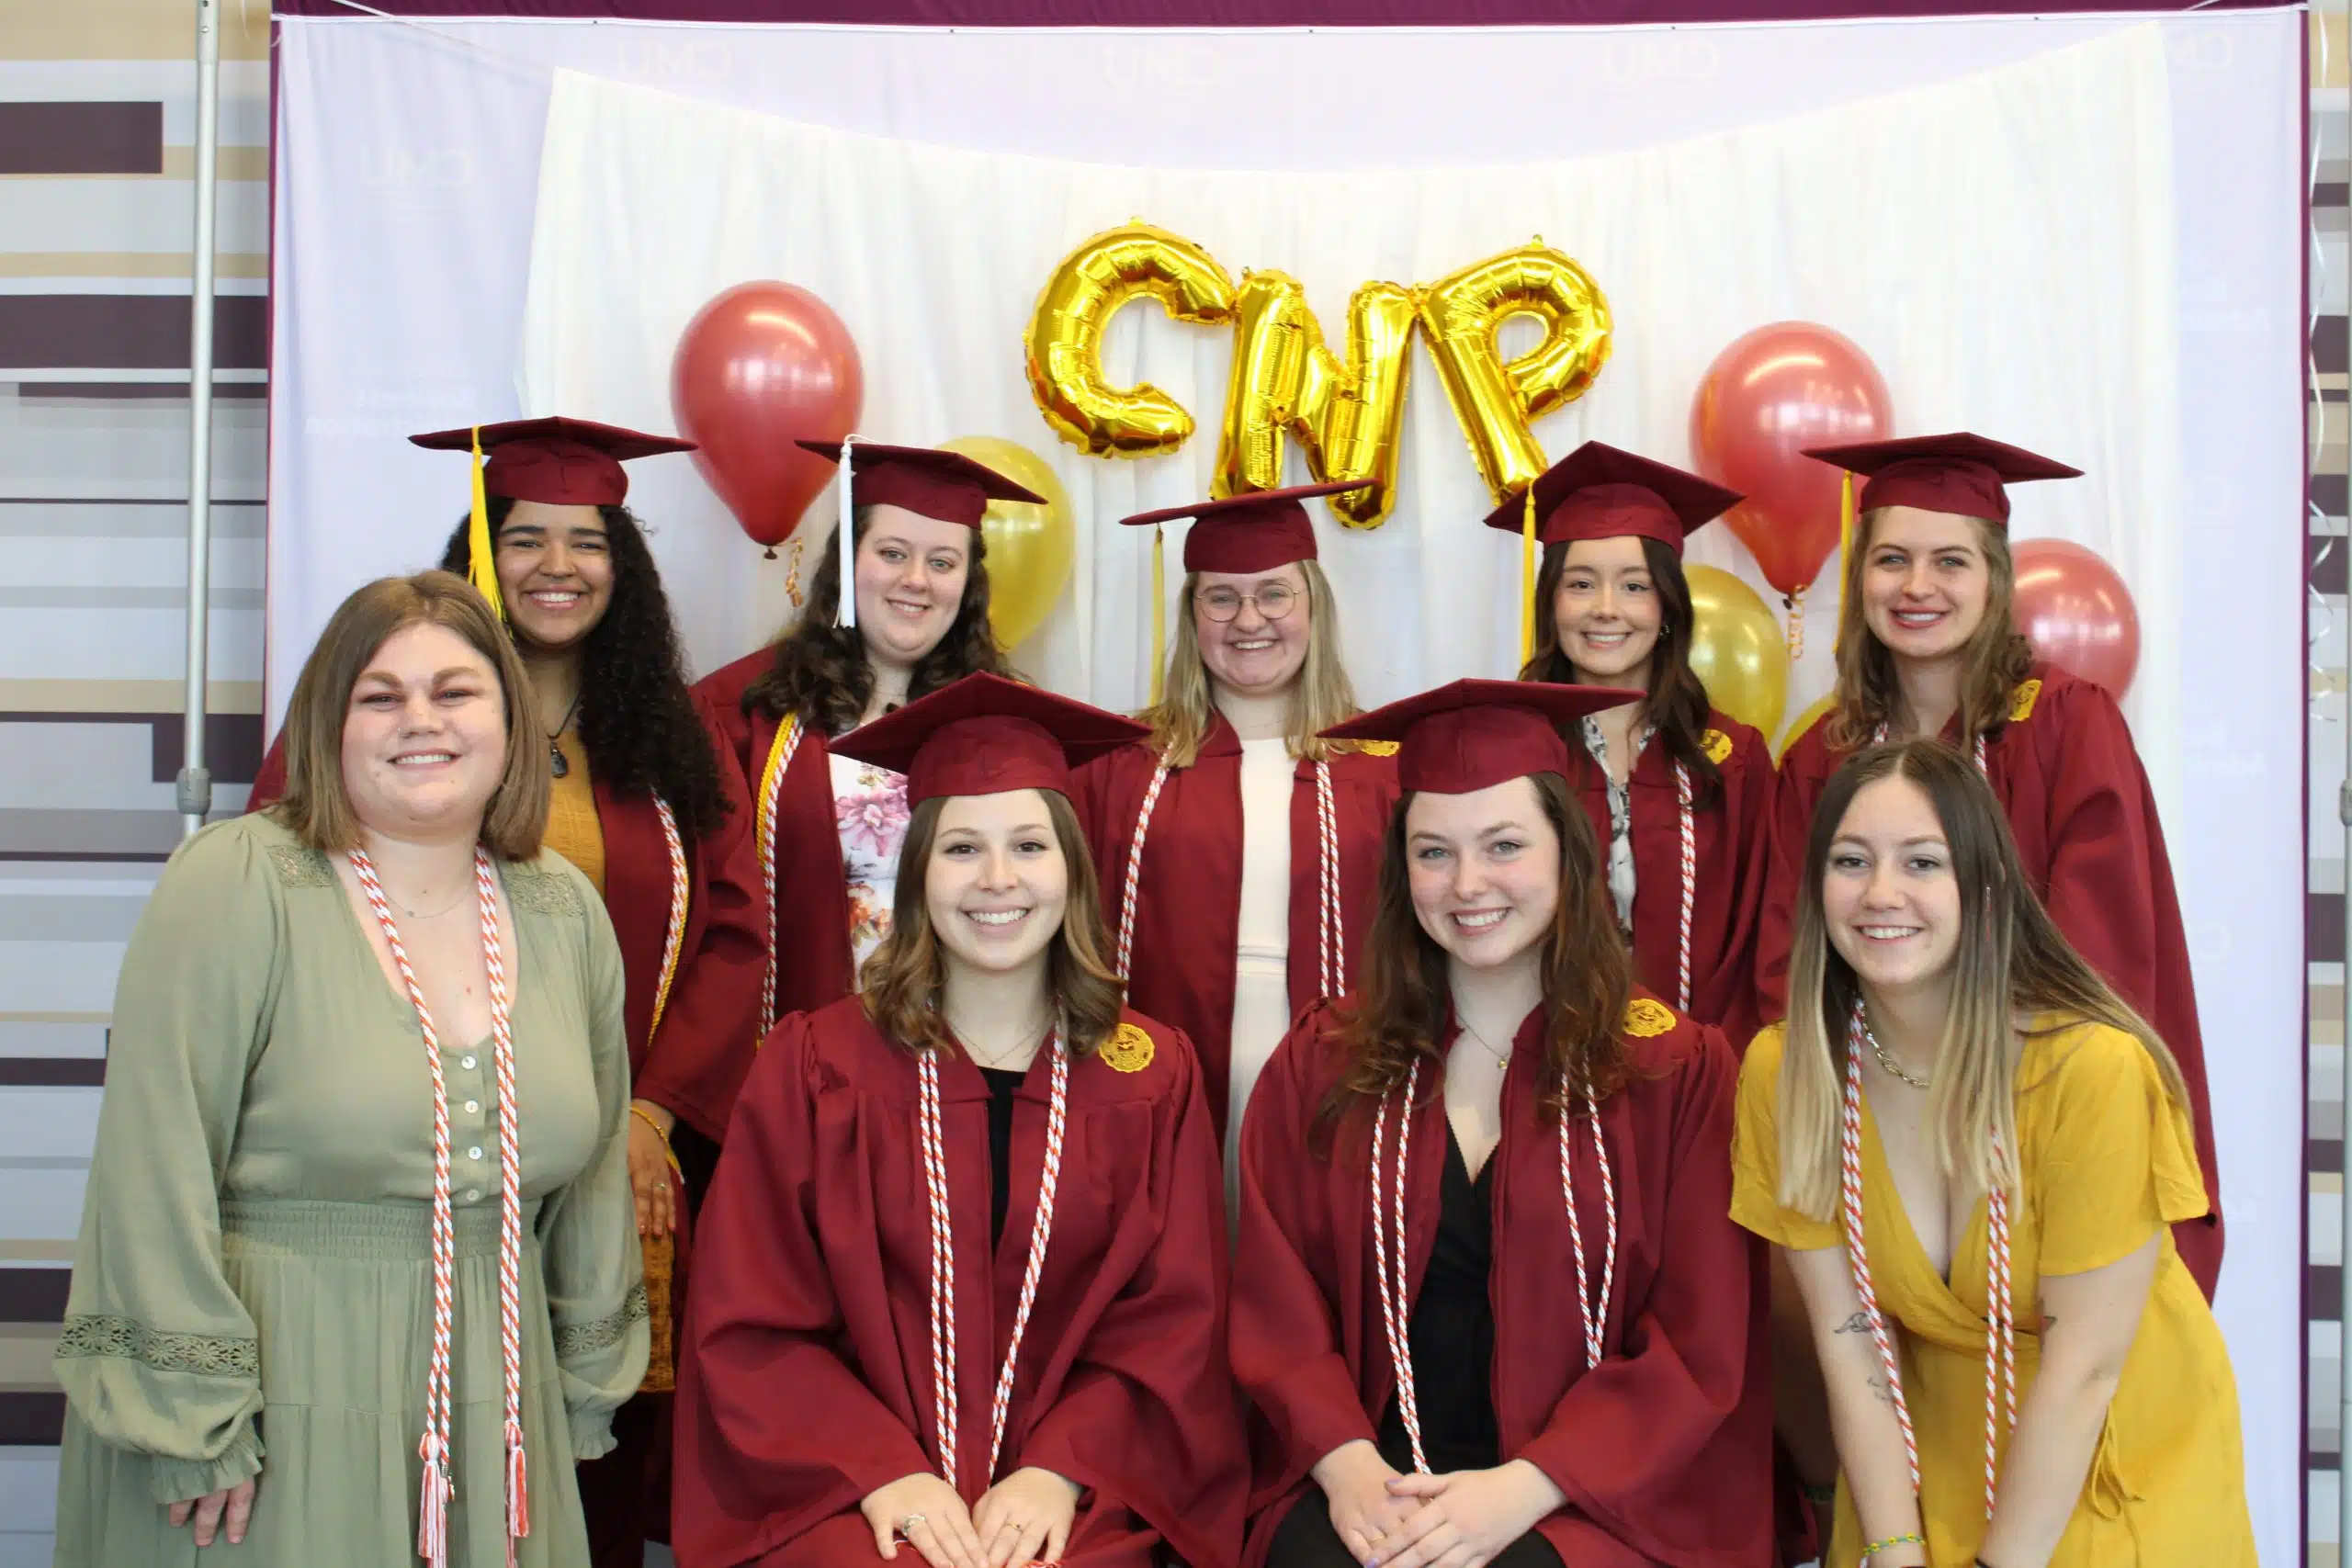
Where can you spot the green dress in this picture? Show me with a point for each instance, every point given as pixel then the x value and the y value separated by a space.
pixel 253 1288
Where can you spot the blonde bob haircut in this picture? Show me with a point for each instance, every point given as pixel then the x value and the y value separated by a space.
pixel 316 805
pixel 901 982
pixel 1321 697
pixel 1995 659
pixel 2013 978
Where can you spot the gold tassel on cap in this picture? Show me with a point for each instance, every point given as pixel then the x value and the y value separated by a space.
pixel 1845 548
pixel 481 561
pixel 1527 582
pixel 1159 613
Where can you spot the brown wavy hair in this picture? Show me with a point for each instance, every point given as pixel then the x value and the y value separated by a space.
pixel 1399 1014
pixel 899 984
pixel 1995 659
pixel 316 806
pixel 820 672
pixel 2011 962
pixel 1677 703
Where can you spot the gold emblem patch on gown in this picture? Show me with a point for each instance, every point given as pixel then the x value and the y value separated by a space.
pixel 1645 1017
pixel 1718 746
pixel 1377 748
pixel 1129 1050
pixel 2021 701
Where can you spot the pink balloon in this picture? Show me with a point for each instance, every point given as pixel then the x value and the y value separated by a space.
pixel 761 365
pixel 1773 393
pixel 2076 612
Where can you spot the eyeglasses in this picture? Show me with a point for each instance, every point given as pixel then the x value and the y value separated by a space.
pixel 1274 600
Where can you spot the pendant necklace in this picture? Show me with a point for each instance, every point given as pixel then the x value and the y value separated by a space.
pixel 556 762
pixel 1502 1058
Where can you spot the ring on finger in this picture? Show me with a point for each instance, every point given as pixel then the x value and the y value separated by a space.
pixel 909 1523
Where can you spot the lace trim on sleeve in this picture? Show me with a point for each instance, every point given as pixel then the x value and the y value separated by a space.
pixel 204 1354
pixel 604 1332
pixel 543 893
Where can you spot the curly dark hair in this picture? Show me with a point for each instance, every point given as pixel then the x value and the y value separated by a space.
pixel 822 673
pixel 638 721
pixel 1677 702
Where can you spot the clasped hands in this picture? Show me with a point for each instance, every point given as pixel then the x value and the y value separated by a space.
pixel 1461 1519
pixel 1024 1518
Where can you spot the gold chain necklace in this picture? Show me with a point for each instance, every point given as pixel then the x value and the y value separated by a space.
pixel 1886 1060
pixel 1502 1058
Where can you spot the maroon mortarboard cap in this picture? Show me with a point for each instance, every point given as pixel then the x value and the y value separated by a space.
pixel 1473 735
pixel 931 483
pixel 1962 474
pixel 563 462
pixel 1599 491
pixel 985 735
pixel 1255 531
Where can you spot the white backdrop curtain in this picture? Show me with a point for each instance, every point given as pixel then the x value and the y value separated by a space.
pixel 409 174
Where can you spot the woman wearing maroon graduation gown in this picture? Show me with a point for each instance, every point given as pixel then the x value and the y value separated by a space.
pixel 1671 782
pixel 1237 843
pixel 1487 1300
pixel 962 1283
pixel 642 804
pixel 1926 647
pixel 827 828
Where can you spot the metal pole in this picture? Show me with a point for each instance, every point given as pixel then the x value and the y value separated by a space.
pixel 195 791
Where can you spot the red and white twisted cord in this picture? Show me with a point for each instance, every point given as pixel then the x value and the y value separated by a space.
pixel 1689 883
pixel 946 1413
pixel 1396 1288
pixel 1134 879
pixel 1850 1175
pixel 432 1514
pixel 779 761
pixel 1333 923
pixel 1040 1233
pixel 2001 1349
pixel 1594 1321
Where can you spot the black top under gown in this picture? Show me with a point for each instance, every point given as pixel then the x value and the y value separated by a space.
pixel 1003 1083
pixel 1452 1334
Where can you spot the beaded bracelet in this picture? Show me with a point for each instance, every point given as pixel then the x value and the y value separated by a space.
pixel 1869 1552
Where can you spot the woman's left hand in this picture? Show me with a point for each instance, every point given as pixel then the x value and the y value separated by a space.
pixel 1026 1518
pixel 1467 1517
pixel 650 1176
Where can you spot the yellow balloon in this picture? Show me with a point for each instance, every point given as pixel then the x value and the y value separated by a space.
pixel 1064 341
pixel 1804 721
pixel 1495 400
pixel 1286 385
pixel 1737 648
pixel 1031 547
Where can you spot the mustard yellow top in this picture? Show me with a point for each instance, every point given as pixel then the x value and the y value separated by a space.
pixel 573 831
pixel 2106 1161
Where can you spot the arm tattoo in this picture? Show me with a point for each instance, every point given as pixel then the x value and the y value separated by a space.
pixel 1878 1386
pixel 1858 1324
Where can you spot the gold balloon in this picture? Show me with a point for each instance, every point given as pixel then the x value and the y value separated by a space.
pixel 1064 341
pixel 1031 547
pixel 1804 721
pixel 1495 400
pixel 1738 649
pixel 1285 383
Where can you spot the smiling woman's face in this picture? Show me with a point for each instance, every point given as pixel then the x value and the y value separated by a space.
pixel 910 576
pixel 424 736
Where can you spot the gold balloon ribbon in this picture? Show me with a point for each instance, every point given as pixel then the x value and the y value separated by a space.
pixel 481 563
pixel 1527 580
pixel 1158 613
pixel 1844 548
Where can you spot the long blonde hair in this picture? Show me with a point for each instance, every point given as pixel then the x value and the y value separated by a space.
pixel 2011 963
pixel 1995 659
pixel 1322 696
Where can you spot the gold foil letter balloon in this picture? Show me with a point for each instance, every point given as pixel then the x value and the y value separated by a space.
pixel 1346 413
pixel 1065 338
pixel 1494 401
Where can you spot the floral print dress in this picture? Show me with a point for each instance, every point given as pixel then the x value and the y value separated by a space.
pixel 870 813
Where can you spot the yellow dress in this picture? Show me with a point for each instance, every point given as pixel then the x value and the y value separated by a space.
pixel 573 830
pixel 2106 1162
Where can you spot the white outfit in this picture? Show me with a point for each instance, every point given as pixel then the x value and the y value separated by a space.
pixel 1261 976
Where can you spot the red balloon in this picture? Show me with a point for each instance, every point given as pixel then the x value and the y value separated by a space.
pixel 2076 612
pixel 761 365
pixel 1773 393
